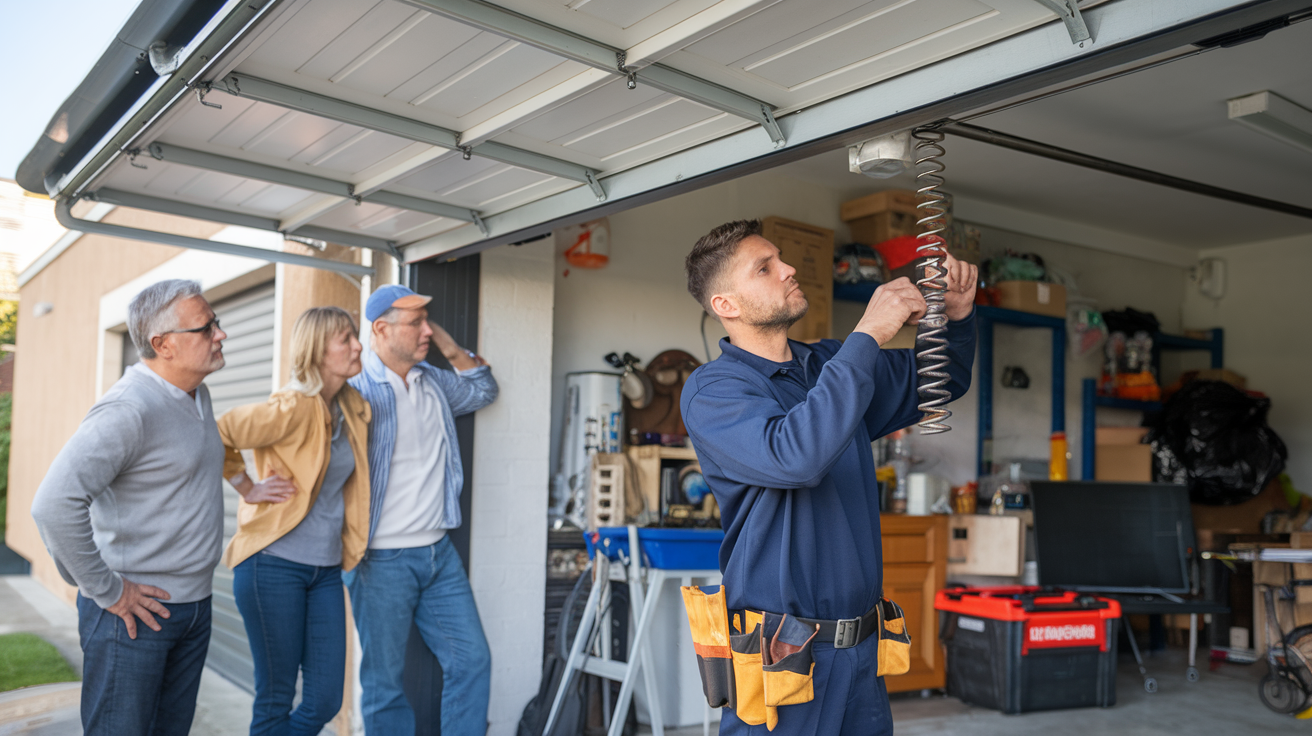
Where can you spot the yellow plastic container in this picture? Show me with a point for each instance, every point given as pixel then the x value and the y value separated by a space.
pixel 1058 457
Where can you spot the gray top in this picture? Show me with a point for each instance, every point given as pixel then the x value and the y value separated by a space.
pixel 137 492
pixel 317 540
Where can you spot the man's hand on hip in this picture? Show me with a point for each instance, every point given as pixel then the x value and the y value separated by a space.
pixel 894 304
pixel 962 278
pixel 137 602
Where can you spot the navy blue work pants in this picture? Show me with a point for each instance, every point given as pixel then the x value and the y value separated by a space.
pixel 850 700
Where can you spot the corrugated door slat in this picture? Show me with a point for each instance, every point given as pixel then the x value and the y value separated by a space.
pixel 247 377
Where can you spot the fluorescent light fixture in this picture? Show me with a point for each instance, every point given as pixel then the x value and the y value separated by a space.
pixel 1273 115
pixel 883 157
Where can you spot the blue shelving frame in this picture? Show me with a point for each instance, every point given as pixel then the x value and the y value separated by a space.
pixel 985 319
pixel 1091 400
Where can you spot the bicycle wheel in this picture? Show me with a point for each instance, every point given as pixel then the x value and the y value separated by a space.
pixel 1281 692
pixel 1298 655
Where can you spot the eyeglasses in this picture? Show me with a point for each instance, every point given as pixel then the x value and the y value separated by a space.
pixel 206 329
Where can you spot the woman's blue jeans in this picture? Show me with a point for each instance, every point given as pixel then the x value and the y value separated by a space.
pixel 295 618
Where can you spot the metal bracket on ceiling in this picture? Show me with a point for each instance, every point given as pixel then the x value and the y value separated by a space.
pixel 1069 12
pixel 202 90
pixel 596 187
pixel 621 63
pixel 478 222
pixel 772 126
pixel 132 159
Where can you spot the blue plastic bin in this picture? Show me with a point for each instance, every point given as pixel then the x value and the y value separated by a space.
pixel 666 549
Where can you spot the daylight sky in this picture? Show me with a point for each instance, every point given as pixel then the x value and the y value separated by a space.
pixel 46 48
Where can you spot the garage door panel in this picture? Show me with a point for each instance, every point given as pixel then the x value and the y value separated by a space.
pixel 496 73
pixel 289 48
pixel 666 116
pixel 806 59
pixel 339 54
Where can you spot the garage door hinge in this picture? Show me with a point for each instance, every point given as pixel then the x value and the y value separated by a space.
pixel 1069 12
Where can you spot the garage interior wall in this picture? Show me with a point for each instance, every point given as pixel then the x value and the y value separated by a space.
pixel 638 302
pixel 508 520
pixel 1267 337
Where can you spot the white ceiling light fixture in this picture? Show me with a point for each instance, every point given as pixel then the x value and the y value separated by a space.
pixel 884 157
pixel 1270 114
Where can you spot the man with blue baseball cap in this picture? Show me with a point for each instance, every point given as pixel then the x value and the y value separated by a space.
pixel 411 571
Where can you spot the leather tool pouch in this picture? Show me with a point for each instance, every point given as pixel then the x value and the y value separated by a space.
pixel 894 640
pixel 709 620
pixel 749 679
pixel 787 664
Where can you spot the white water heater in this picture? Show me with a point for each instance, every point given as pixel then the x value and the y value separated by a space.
pixel 593 422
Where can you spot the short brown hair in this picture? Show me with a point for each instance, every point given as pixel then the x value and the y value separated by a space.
pixel 711 255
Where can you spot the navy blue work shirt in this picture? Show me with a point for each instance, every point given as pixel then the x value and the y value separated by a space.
pixel 785 448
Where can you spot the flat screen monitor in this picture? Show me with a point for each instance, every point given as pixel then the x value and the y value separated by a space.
pixel 1113 537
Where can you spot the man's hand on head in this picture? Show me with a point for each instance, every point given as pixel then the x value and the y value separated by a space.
pixel 139 602
pixel 458 357
pixel 962 278
pixel 894 304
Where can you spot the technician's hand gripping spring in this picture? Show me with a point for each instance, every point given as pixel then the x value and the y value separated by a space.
pixel 931 333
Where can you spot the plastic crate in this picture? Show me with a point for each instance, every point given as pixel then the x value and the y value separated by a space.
pixel 1060 653
pixel 665 549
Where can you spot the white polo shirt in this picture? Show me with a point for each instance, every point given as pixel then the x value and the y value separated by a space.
pixel 416 492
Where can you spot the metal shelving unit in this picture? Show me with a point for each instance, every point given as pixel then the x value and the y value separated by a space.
pixel 986 318
pixel 1091 400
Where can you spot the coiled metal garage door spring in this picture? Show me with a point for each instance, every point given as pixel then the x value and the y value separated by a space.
pixel 931 333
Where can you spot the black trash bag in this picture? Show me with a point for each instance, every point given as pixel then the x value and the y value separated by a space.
pixel 1131 320
pixel 1215 438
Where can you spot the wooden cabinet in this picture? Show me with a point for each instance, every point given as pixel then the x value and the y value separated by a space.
pixel 647 470
pixel 915 568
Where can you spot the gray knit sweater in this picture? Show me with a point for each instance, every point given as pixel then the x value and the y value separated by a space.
pixel 137 493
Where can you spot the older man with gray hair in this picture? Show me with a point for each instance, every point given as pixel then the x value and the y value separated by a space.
pixel 132 512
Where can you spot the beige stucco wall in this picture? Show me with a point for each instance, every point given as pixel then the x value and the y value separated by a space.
pixel 55 381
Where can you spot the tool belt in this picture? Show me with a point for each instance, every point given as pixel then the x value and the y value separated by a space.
pixel 765 661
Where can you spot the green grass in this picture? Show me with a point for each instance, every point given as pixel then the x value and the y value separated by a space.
pixel 27 660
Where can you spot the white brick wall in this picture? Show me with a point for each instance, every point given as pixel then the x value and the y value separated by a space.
pixel 511 445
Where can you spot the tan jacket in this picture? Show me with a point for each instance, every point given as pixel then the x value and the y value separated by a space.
pixel 291 434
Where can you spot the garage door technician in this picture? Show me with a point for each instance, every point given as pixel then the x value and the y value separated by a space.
pixel 783 430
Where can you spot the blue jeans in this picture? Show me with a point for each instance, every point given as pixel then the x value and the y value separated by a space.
pixel 145 685
pixel 389 589
pixel 295 618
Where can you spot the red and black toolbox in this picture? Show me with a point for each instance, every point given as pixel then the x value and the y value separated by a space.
pixel 1021 649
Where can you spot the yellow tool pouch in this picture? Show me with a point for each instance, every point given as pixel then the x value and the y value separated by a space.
pixel 749 680
pixel 708 618
pixel 894 640
pixel 787 664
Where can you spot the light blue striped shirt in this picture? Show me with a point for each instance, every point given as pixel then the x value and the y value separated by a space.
pixel 459 393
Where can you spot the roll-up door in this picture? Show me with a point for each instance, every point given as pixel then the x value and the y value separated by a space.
pixel 246 377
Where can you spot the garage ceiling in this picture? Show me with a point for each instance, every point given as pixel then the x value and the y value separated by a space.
pixel 444 125
pixel 1171 119
pixel 405 59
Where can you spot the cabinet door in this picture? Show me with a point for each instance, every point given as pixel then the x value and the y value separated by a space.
pixel 915 568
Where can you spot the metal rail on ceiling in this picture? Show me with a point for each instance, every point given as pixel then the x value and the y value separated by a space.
pixel 313 103
pixel 64 214
pixel 301 180
pixel 227 217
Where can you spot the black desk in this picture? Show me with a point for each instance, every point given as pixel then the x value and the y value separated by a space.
pixel 1133 604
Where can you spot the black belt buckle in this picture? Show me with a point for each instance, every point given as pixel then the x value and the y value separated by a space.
pixel 847 632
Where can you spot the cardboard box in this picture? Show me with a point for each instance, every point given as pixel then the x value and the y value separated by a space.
pixel 1128 463
pixel 1036 297
pixel 1120 435
pixel 981 544
pixel 810 250
pixel 881 216
pixel 1223 374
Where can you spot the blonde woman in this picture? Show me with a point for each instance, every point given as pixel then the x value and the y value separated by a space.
pixel 301 526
